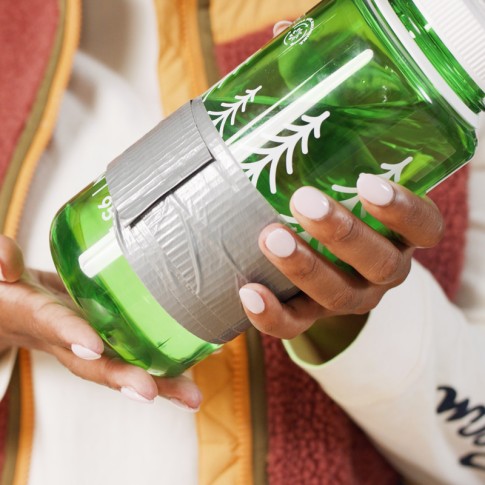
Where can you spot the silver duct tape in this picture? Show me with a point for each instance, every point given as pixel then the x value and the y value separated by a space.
pixel 158 162
pixel 197 244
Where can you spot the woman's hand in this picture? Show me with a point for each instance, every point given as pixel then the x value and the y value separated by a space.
pixel 37 313
pixel 327 291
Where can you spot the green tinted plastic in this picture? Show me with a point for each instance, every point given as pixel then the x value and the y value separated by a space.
pixel 332 97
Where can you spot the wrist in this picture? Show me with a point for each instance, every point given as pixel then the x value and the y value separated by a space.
pixel 331 336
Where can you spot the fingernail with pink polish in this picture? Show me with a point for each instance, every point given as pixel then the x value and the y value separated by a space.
pixel 84 353
pixel 311 203
pixel 252 300
pixel 376 190
pixel 181 405
pixel 130 393
pixel 280 26
pixel 281 243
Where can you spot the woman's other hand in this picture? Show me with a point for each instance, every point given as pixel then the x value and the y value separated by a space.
pixel 37 313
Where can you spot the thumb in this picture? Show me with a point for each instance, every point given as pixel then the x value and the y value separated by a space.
pixel 11 260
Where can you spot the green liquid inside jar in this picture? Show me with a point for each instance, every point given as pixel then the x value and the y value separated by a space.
pixel 334 96
pixel 384 118
pixel 115 301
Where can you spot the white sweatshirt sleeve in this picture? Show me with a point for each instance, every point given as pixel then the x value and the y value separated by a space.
pixel 414 380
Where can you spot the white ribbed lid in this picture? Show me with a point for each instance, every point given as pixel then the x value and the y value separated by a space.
pixel 460 24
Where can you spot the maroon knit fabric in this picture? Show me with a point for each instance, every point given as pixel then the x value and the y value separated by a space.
pixel 446 260
pixel 27 32
pixel 311 440
pixel 231 54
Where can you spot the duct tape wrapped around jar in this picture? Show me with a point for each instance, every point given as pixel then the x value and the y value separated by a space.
pixel 188 220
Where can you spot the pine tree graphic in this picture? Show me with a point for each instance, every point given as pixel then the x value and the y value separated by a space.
pixel 284 146
pixel 232 109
